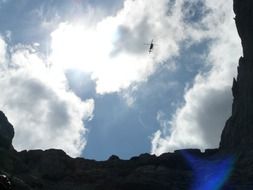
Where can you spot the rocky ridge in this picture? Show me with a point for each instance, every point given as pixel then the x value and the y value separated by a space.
pixel 228 167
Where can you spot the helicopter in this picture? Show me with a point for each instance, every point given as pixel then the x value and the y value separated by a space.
pixel 151 46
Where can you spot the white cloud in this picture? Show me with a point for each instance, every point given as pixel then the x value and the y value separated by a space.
pixel 37 101
pixel 199 122
pixel 113 49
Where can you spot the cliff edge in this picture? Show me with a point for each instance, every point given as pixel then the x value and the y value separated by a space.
pixel 238 131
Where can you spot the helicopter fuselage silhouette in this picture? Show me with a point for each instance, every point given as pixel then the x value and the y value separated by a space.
pixel 151 46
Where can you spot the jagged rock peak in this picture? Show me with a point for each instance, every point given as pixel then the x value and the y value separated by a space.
pixel 6 132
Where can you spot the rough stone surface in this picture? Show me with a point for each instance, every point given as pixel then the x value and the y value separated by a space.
pixel 6 132
pixel 238 131
pixel 55 170
pixel 244 23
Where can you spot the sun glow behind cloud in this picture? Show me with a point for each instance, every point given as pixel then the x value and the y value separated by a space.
pixel 39 104
pixel 112 50
pixel 91 51
pixel 75 46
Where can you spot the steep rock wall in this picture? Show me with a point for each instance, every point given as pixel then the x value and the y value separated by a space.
pixel 238 131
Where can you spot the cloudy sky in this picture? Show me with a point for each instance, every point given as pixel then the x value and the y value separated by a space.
pixel 77 75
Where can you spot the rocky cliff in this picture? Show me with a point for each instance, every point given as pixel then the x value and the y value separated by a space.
pixel 238 132
pixel 6 132
pixel 229 167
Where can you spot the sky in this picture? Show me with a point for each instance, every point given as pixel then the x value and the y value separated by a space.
pixel 77 75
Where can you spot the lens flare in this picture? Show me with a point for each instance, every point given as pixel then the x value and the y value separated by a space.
pixel 209 174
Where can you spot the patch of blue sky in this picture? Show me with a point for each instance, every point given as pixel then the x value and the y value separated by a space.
pixel 26 19
pixel 23 21
pixel 81 84
pixel 115 129
pixel 170 5
pixel 194 11
pixel 110 5
pixel 119 129
pixel 192 61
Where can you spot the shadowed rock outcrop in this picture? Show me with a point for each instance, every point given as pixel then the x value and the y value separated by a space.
pixel 55 170
pixel 6 132
pixel 238 132
pixel 244 24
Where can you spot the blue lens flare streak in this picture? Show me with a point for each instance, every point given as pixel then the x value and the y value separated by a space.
pixel 209 174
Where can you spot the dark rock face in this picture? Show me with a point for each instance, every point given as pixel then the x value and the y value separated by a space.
pixel 238 131
pixel 6 132
pixel 244 23
pixel 55 170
